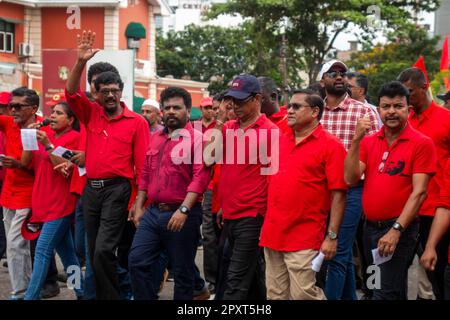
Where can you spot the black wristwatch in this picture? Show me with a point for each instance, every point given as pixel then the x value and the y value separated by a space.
pixel 397 226
pixel 185 210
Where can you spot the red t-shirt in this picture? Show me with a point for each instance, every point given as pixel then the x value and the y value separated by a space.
pixel 18 183
pixel 51 191
pixel 77 183
pixel 280 120
pixel 215 202
pixel 386 192
pixel 243 187
pixel 434 122
pixel 198 125
pixel 299 198
pixel 2 151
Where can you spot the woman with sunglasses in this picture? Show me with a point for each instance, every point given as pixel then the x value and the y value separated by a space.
pixel 52 204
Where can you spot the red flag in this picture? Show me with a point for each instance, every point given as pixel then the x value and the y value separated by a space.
pixel 444 55
pixel 420 64
pixel 444 62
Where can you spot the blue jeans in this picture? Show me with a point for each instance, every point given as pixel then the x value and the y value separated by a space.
pixel 55 235
pixel 340 283
pixel 151 238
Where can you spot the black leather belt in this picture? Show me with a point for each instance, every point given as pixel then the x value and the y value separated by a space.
pixel 167 206
pixel 381 224
pixel 103 183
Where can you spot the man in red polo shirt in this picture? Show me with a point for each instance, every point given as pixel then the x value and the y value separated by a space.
pixel 433 121
pixel 17 187
pixel 5 97
pixel 243 182
pixel 311 165
pixel 115 152
pixel 398 162
pixel 270 106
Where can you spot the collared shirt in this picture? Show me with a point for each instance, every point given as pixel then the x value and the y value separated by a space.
pixel 342 120
pixel 444 196
pixel 434 122
pixel 389 170
pixel 198 125
pixel 242 185
pixel 280 120
pixel 18 183
pixel 174 166
pixel 51 191
pixel 374 109
pixel 299 196
pixel 115 147
pixel 78 182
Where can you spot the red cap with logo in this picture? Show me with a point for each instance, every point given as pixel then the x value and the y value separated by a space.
pixel 57 98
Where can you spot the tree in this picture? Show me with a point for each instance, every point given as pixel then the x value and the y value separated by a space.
pixel 315 25
pixel 383 63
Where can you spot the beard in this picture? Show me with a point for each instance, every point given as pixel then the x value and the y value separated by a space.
pixel 331 89
pixel 173 123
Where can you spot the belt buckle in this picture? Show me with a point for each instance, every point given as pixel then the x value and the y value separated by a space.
pixel 97 184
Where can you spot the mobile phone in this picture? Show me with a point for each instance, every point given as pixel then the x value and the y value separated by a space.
pixel 68 154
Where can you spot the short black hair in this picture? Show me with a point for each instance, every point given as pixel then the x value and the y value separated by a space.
pixel 173 92
pixel 393 89
pixel 32 97
pixel 268 86
pixel 98 68
pixel 312 98
pixel 219 96
pixel 414 74
pixel 70 114
pixel 108 77
pixel 361 80
pixel 318 88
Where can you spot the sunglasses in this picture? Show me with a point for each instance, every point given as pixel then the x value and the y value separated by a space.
pixel 335 74
pixel 240 103
pixel 383 161
pixel 296 106
pixel 18 106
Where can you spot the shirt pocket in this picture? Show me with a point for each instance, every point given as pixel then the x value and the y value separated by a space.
pixel 122 143
pixel 153 159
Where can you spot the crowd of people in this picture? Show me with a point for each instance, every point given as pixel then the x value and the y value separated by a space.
pixel 268 190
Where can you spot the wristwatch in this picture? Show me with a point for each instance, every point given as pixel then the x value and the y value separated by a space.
pixel 332 235
pixel 398 226
pixel 49 147
pixel 185 210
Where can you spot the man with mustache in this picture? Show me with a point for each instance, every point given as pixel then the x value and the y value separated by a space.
pixel 173 179
pixel 340 116
pixel 115 152
pixel 433 121
pixel 391 201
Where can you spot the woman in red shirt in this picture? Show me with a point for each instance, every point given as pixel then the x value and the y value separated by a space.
pixel 53 205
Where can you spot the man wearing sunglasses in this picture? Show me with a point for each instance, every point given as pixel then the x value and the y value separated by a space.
pixel 398 163
pixel 340 117
pixel 17 187
pixel 243 186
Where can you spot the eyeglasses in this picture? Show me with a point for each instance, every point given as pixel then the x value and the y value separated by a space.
pixel 240 103
pixel 335 74
pixel 106 92
pixel 19 106
pixel 383 161
pixel 296 106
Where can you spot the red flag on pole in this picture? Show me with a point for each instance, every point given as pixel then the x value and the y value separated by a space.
pixel 444 62
pixel 420 64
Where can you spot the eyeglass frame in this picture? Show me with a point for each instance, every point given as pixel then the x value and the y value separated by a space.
pixel 342 74
pixel 15 106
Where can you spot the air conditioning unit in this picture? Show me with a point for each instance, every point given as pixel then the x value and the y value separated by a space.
pixel 26 49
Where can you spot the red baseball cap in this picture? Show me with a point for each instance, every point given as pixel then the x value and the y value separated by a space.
pixel 57 98
pixel 30 230
pixel 5 97
pixel 206 102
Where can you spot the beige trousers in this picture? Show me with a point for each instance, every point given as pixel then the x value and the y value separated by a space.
pixel 289 275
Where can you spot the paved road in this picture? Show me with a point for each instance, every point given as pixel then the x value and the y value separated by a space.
pixel 167 293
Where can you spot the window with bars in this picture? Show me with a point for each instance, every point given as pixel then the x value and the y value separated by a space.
pixel 6 37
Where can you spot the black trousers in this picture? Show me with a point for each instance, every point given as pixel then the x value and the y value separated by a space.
pixel 105 216
pixel 447 283
pixel 211 237
pixel 436 277
pixel 2 235
pixel 245 259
